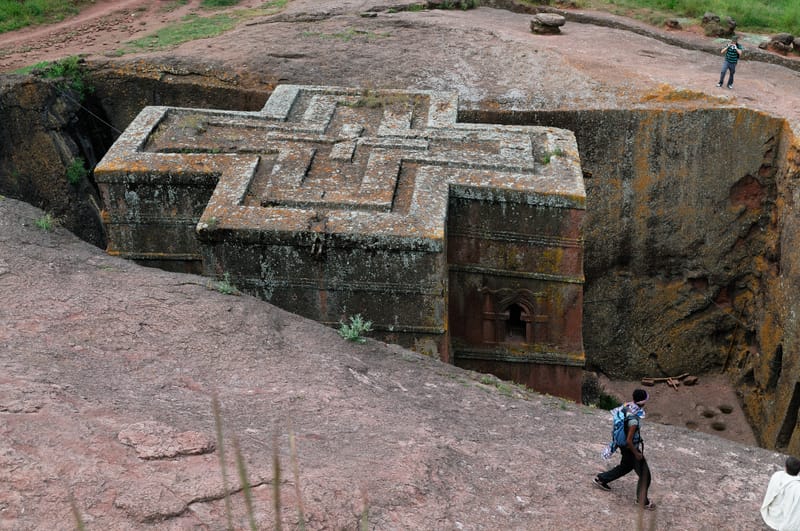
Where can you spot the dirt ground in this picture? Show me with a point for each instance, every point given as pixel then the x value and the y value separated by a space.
pixel 710 406
pixel 95 346
pixel 100 29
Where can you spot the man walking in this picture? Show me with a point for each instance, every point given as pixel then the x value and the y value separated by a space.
pixel 632 452
pixel 732 51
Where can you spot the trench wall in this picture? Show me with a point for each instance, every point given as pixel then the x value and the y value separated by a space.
pixel 690 227
pixel 768 376
pixel 689 257
pixel 680 234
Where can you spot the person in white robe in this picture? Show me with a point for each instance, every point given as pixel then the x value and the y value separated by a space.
pixel 781 507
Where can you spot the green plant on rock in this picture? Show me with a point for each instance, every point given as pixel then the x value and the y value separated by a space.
pixel 69 69
pixel 76 171
pixel 458 4
pixel 46 222
pixel 356 329
pixel 225 286
pixel 218 3
pixel 548 155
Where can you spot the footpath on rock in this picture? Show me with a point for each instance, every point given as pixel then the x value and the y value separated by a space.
pixel 109 369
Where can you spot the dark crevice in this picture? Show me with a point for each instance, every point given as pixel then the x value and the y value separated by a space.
pixel 789 421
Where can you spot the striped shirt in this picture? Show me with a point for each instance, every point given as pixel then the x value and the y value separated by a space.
pixel 731 55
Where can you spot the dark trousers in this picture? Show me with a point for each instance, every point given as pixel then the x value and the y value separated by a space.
pixel 627 464
pixel 727 67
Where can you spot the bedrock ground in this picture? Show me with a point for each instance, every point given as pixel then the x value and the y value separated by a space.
pixel 92 345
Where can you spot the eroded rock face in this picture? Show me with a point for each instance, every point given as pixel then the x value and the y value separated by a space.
pixel 682 209
pixel 680 233
pixel 41 138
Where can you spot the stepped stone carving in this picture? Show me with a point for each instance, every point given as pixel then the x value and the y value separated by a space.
pixel 463 240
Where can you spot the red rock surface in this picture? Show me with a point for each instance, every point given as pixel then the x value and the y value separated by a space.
pixel 93 348
pixel 91 345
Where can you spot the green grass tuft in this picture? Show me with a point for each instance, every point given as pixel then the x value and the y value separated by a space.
pixel 76 171
pixel 355 330
pixel 46 222
pixel 225 286
pixel 759 16
pixel 210 4
pixel 70 70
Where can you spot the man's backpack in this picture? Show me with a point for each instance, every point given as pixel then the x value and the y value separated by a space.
pixel 618 433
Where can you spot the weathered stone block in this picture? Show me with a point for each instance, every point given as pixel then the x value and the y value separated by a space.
pixel 547 23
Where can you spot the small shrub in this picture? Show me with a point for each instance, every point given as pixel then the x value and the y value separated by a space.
pixel 355 330
pixel 605 401
pixel 593 393
pixel 225 286
pixel 46 223
pixel 76 171
pixel 218 3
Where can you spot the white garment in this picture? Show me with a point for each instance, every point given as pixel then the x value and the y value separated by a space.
pixel 781 507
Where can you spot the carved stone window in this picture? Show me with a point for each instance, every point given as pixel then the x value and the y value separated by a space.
pixel 516 325
pixel 514 316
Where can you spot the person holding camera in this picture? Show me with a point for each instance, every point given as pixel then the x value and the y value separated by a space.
pixel 732 51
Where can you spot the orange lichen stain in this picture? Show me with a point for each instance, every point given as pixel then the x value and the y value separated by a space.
pixel 550 261
pixel 770 333
pixel 667 94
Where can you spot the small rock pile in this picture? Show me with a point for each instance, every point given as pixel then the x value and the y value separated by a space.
pixel 714 26
pixel 782 43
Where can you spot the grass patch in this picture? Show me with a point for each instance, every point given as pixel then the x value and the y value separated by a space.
pixel 211 4
pixel 548 155
pixel 459 4
pixel 356 329
pixel 16 14
pixel 173 5
pixel 191 27
pixel 69 69
pixel 758 16
pixel 225 286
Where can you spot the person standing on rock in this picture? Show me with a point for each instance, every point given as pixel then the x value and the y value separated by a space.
pixel 781 507
pixel 732 51
pixel 632 452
